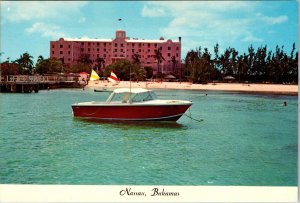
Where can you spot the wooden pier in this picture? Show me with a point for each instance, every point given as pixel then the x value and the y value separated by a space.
pixel 33 83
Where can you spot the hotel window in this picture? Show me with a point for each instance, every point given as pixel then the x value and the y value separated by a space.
pixel 104 55
pixel 97 43
pixel 169 48
pixel 104 44
pixel 89 44
pixel 140 50
pixel 177 48
pixel 116 50
pixel 61 52
pixel 140 44
pixel 97 55
pixel 121 45
pixel 132 45
pixel 169 54
pixel 82 43
pixel 176 55
pixel 116 45
pixel 115 55
pixel 132 50
pixel 97 49
pixel 89 49
pixel 61 46
pixel 82 49
pixel 53 52
pixel 69 52
pixel 148 50
pixel 69 46
pixel 52 45
pixel 155 45
pixel 148 45
pixel 121 50
pixel 104 49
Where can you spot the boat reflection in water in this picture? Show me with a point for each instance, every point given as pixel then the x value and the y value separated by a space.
pixel 135 124
pixel 137 104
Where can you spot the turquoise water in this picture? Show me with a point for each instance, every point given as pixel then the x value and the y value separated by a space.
pixel 243 139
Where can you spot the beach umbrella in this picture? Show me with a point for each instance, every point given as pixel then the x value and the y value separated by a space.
pixel 170 77
pixel 229 77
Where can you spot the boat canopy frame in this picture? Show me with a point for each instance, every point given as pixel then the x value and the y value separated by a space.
pixel 125 95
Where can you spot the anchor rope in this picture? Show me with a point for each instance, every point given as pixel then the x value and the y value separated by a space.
pixel 190 116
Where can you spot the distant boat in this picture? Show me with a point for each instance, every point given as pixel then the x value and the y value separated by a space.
pixel 102 90
pixel 136 104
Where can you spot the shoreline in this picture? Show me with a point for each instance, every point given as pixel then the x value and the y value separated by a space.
pixel 278 89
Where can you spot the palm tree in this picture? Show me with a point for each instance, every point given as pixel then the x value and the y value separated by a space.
pixel 85 59
pixel 40 59
pixel 26 63
pixel 159 58
pixel 174 62
pixel 100 63
pixel 136 58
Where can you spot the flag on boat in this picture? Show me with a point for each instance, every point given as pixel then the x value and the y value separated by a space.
pixel 113 77
pixel 94 76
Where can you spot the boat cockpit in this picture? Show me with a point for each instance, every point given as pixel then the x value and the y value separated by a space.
pixel 133 96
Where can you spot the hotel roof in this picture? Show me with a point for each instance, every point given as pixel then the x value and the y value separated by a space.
pixel 110 40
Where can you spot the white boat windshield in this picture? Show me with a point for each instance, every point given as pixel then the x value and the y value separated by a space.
pixel 127 97
pixel 143 96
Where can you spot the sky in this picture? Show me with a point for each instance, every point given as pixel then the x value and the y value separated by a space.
pixel 30 26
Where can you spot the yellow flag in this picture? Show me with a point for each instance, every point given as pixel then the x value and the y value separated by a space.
pixel 94 76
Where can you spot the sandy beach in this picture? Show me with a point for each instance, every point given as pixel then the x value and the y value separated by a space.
pixel 233 87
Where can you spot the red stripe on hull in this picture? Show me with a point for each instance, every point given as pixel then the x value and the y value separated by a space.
pixel 158 113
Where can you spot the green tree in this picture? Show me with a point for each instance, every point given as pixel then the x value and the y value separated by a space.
pixel 159 58
pixel 226 67
pixel 149 72
pixel 293 65
pixel 233 62
pixel 80 67
pixel 199 65
pixel 137 73
pixel 99 66
pixel 50 65
pixel 122 69
pixel 40 59
pixel 136 58
pixel 85 59
pixel 174 63
pixel 26 63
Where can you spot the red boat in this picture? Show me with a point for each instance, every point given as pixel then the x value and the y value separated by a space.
pixel 137 104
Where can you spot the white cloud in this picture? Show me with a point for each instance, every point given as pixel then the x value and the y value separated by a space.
pixel 82 20
pixel 153 12
pixel 252 39
pixel 275 20
pixel 46 30
pixel 209 22
pixel 33 10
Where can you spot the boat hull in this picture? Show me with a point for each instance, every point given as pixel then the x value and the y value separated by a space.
pixel 131 112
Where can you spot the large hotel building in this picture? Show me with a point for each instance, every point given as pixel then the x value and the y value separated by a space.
pixel 121 47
